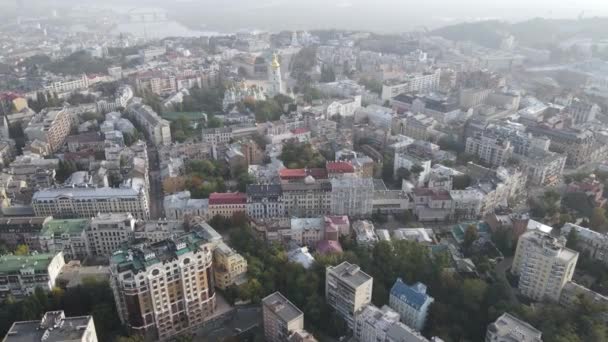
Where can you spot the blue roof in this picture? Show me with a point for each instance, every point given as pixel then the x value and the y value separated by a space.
pixel 414 296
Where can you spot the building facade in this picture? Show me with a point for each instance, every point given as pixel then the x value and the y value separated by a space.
pixel 20 275
pixel 166 288
pixel 544 265
pixel 265 201
pixel 54 326
pixel 108 231
pixel 347 290
pixel 281 318
pixel 411 302
pixel 230 267
pixel 67 236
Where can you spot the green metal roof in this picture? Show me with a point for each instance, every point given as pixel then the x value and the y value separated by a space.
pixel 60 227
pixel 14 263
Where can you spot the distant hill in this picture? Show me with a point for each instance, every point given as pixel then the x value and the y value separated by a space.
pixel 535 32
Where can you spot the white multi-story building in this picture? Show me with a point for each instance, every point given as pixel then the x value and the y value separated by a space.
pixel 157 129
pixel 466 204
pixel 509 328
pixel 407 160
pixel 52 126
pixel 544 265
pixel 165 288
pixel 65 86
pixel 20 275
pixel 87 202
pixel 108 231
pixel 413 83
pixel 347 290
pixel 372 323
pixel 411 302
pixel 492 150
pixel 53 326
pixel 352 196
pixel 343 108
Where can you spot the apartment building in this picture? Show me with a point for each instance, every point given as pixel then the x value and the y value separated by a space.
pixel 466 204
pixel 54 326
pixel 20 275
pixel 227 204
pixel 588 241
pixel 411 302
pixel 310 198
pixel 157 129
pixel 217 136
pixel 67 236
pixel 37 171
pixel 543 168
pixel 432 205
pixel 165 288
pixel 107 232
pixel 51 126
pixel 508 328
pixel 372 323
pixel 68 85
pixel 87 202
pixel 579 146
pixel 407 160
pixel 573 292
pixel 265 201
pixel 16 231
pixel 491 150
pixel 544 265
pixel 230 267
pixel 582 111
pixel 352 196
pixel 281 318
pixel 348 290
pixel 413 83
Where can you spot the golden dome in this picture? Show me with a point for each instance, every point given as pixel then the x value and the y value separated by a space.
pixel 275 62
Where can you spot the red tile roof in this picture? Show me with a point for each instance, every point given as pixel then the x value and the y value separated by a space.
pixel 340 167
pixel 329 247
pixel 300 131
pixel 292 173
pixel 227 198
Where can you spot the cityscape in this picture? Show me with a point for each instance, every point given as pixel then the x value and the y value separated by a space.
pixel 168 178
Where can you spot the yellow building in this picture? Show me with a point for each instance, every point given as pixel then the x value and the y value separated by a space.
pixel 230 267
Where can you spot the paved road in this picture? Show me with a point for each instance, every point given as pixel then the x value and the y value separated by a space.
pixel 501 272
pixel 156 188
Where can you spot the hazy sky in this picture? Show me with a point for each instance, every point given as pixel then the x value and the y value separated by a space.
pixel 375 15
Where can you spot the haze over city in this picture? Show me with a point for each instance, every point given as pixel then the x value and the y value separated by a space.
pixel 303 171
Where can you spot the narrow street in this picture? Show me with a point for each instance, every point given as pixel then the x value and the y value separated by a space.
pixel 156 188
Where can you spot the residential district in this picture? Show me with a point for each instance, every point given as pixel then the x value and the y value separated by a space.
pixel 299 186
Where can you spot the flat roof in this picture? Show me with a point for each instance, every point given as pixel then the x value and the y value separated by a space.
pixel 350 274
pixel 14 263
pixel 60 227
pixel 282 307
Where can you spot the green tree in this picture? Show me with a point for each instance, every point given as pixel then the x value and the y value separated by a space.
pixel 22 250
pixel 470 236
pixel 598 220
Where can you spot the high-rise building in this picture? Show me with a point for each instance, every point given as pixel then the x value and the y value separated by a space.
pixel 53 326
pixel 166 288
pixel 508 328
pixel 544 265
pixel 281 318
pixel 492 150
pixel 347 290
pixel 52 127
pixel 20 275
pixel 411 302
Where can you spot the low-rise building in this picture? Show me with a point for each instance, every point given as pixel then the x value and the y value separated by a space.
pixel 432 205
pixel 588 241
pixel 365 233
pixel 181 206
pixel 227 204
pixel 230 267
pixel 20 275
pixel 54 326
pixel 67 236
pixel 16 231
pixel 573 292
pixel 466 204
pixel 411 302
pixel 508 328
